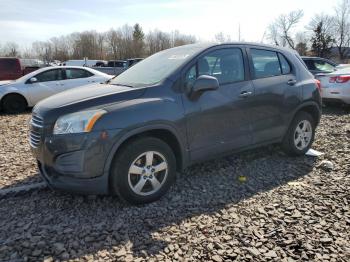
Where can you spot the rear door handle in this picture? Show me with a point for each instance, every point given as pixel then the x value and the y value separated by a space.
pixel 291 82
pixel 245 94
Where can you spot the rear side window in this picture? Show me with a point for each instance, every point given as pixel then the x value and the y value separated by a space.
pixel 310 64
pixel 51 75
pixel 74 73
pixel 284 64
pixel 265 63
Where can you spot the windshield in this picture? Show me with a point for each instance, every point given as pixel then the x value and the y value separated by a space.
pixel 155 68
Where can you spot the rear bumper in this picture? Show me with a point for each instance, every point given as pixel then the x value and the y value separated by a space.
pixel 336 95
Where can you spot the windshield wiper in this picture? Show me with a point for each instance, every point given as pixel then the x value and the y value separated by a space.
pixel 121 85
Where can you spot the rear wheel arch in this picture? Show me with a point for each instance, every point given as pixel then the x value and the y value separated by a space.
pixel 309 107
pixel 313 110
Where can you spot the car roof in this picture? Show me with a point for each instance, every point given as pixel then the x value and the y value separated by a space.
pixel 315 57
pixel 203 46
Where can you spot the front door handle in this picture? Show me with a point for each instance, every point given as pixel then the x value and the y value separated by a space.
pixel 291 82
pixel 245 94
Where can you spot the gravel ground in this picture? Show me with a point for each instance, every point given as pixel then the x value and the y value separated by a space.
pixel 256 206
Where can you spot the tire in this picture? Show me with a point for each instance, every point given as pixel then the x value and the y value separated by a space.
pixel 134 180
pixel 14 104
pixel 298 142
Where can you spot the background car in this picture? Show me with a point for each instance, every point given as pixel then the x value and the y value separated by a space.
pixel 336 86
pixel 319 66
pixel 117 63
pixel 133 61
pixel 12 68
pixel 16 96
pixel 84 62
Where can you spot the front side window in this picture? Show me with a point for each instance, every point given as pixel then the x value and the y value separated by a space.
pixel 224 64
pixel 74 73
pixel 50 75
pixel 265 63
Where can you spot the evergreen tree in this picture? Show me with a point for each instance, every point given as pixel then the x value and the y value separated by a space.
pixel 138 41
pixel 321 41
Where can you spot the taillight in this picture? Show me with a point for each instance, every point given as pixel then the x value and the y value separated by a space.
pixel 339 79
pixel 318 84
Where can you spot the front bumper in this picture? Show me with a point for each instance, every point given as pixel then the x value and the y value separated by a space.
pixel 75 162
pixel 96 185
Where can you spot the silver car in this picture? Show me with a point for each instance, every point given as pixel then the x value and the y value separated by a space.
pixel 336 86
pixel 17 95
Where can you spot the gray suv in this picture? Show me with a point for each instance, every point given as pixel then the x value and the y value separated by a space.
pixel 180 106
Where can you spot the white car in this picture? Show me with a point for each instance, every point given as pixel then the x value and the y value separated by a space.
pixel 17 95
pixel 336 86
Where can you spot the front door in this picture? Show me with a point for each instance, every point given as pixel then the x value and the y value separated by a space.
pixel 219 120
pixel 48 83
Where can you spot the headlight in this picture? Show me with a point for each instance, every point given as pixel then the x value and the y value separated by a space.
pixel 79 122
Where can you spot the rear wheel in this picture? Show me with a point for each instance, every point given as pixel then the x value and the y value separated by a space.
pixel 143 171
pixel 300 134
pixel 14 104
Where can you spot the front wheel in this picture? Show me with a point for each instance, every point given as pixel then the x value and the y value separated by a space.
pixel 14 104
pixel 143 171
pixel 300 134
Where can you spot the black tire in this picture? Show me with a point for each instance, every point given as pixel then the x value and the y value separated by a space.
pixel 119 178
pixel 14 104
pixel 288 144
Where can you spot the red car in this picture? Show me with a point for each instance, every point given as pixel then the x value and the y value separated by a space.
pixel 13 68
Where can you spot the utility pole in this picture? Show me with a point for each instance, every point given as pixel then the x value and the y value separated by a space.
pixel 239 32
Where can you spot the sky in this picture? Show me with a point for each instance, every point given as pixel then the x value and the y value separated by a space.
pixel 26 21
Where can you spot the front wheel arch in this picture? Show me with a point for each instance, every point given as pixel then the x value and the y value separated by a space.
pixel 12 94
pixel 160 131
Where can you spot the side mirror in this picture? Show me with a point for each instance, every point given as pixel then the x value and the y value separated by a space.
pixel 203 83
pixel 33 80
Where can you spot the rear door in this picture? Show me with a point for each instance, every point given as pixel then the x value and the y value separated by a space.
pixel 219 120
pixel 49 83
pixel 75 77
pixel 276 93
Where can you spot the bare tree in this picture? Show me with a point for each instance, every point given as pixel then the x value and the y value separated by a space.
pixel 157 41
pixel 301 40
pixel 43 50
pixel 121 43
pixel 11 49
pixel 342 27
pixel 280 31
pixel 221 38
pixel 113 39
pixel 178 39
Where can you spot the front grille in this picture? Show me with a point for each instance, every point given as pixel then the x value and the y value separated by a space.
pixel 37 121
pixel 36 131
pixel 34 138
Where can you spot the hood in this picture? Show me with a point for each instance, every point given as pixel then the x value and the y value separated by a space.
pixel 6 82
pixel 83 98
